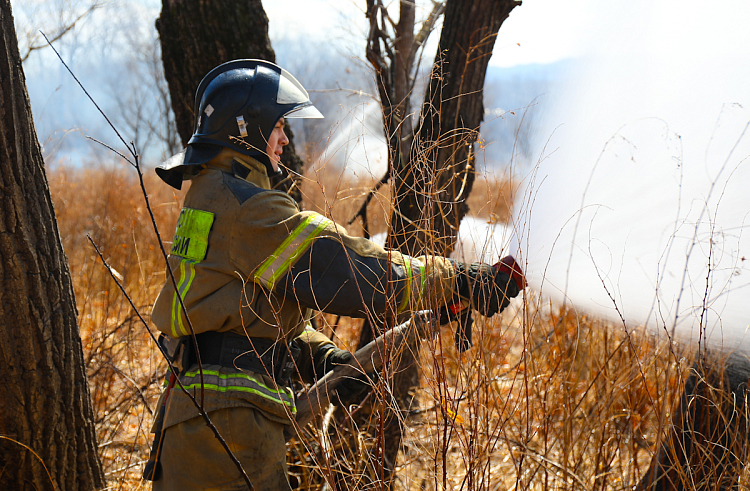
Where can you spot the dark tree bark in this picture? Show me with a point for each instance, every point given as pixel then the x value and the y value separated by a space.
pixel 432 186
pixel 706 445
pixel 196 36
pixel 433 164
pixel 45 406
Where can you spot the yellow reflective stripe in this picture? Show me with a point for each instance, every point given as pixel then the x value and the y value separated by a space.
pixel 172 324
pixel 290 250
pixel 300 249
pixel 407 288
pixel 175 304
pixel 183 293
pixel 176 307
pixel 242 389
pixel 423 281
pixel 283 395
pixel 190 243
pixel 191 235
pixel 280 250
pixel 409 266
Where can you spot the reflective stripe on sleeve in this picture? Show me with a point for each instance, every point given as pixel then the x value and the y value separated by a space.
pixel 290 250
pixel 238 382
pixel 416 277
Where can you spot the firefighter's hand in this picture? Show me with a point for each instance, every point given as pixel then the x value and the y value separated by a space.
pixel 509 266
pixel 350 390
pixel 489 288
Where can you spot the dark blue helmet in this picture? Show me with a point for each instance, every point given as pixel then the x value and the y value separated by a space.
pixel 237 106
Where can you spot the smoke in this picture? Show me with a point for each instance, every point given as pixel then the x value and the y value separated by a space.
pixel 638 207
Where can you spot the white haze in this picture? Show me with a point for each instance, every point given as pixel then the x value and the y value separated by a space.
pixel 639 206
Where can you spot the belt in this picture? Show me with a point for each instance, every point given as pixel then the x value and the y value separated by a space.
pixel 259 355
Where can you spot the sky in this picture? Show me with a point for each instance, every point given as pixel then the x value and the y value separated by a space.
pixel 540 31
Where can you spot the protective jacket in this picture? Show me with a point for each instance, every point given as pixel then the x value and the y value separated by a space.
pixel 246 259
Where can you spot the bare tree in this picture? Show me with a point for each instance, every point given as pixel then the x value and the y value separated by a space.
pixel 431 156
pixel 61 17
pixel 46 419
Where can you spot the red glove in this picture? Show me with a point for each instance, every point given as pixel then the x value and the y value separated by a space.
pixel 509 266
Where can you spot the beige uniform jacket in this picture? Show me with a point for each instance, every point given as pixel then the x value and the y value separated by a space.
pixel 246 259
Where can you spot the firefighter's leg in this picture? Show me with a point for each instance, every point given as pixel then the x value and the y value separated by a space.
pixel 193 459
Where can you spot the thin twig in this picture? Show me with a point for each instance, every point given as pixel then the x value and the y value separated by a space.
pixel 362 212
pixel 62 32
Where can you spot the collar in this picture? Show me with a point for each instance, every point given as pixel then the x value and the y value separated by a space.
pixel 251 170
pixel 242 167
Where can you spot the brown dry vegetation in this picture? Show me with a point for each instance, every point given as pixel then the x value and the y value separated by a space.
pixel 547 399
pixel 340 197
pixel 124 366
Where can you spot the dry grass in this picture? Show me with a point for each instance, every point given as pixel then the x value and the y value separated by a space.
pixel 124 367
pixel 547 399
pixel 339 196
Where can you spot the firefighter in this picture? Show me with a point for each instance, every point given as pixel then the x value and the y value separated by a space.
pixel 250 267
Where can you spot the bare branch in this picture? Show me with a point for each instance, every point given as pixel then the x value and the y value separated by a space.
pixel 63 30
pixel 362 212
pixel 420 39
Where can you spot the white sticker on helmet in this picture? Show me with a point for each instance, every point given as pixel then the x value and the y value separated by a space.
pixel 209 110
pixel 242 126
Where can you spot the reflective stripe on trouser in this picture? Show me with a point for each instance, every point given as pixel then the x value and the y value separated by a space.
pixel 244 382
pixel 193 459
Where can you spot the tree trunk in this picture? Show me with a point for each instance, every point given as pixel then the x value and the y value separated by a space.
pixel 431 189
pixel 706 445
pixel 46 419
pixel 197 36
pixel 432 185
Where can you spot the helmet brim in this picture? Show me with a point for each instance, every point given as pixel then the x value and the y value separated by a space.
pixel 304 112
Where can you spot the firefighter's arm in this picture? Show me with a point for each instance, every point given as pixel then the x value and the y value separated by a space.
pixel 352 276
pixel 307 257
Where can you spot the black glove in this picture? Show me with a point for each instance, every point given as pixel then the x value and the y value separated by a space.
pixel 350 390
pixel 488 288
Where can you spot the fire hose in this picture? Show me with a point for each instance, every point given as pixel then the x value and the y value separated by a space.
pixel 314 403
